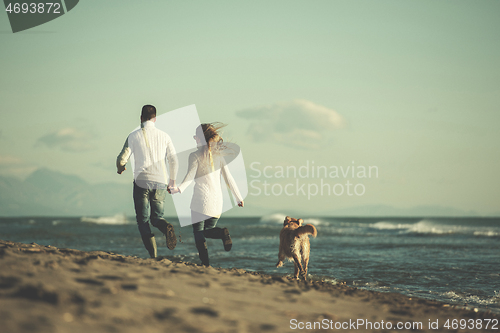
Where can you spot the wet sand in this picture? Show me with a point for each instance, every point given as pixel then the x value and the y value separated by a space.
pixel 48 289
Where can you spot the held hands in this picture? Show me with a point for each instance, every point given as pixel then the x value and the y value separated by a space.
pixel 173 190
pixel 240 204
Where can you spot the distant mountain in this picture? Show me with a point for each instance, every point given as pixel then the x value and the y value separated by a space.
pixel 47 192
pixel 44 178
pixel 17 198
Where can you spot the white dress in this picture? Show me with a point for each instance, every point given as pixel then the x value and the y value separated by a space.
pixel 207 195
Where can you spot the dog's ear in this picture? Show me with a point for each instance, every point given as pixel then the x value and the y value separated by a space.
pixel 300 222
pixel 287 220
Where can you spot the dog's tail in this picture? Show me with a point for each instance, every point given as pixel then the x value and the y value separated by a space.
pixel 305 230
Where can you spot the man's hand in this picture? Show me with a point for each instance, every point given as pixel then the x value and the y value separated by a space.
pixel 173 190
pixel 120 168
pixel 241 204
pixel 171 185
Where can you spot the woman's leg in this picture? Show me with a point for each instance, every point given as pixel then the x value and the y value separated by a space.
pixel 198 223
pixel 199 239
pixel 211 231
pixel 198 231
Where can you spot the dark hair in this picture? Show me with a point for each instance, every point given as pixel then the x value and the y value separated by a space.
pixel 148 112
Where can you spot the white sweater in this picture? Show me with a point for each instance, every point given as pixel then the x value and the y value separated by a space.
pixel 207 195
pixel 150 161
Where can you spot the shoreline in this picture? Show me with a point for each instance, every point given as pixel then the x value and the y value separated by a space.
pixel 49 289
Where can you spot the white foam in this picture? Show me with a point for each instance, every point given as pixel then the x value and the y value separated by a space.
pixel 273 218
pixel 315 222
pixel 429 227
pixel 279 218
pixel 383 225
pixel 488 233
pixel 451 294
pixel 116 219
pixel 472 299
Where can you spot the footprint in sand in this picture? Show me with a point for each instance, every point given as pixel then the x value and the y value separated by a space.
pixel 7 282
pixel 90 281
pixel 110 277
pixel 205 311
pixel 165 314
pixel 131 286
pixel 37 293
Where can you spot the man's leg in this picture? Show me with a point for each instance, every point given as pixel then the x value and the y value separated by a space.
pixel 141 204
pixel 157 199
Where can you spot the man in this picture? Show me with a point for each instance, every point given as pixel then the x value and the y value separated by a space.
pixel 150 147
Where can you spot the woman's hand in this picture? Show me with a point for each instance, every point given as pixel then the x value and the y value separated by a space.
pixel 240 204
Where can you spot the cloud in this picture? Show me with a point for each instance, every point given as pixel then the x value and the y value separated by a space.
pixel 68 139
pixel 299 123
pixel 9 160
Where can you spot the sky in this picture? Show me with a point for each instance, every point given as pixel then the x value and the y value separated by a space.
pixel 411 88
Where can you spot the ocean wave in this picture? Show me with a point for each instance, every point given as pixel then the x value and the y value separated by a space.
pixel 279 218
pixel 430 227
pixel 487 233
pixel 427 226
pixel 273 218
pixel 263 237
pixel 315 221
pixel 383 225
pixel 116 219
pixel 458 297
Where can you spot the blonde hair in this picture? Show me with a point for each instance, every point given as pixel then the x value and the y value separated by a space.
pixel 212 134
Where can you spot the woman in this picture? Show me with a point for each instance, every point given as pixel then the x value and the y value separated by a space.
pixel 205 167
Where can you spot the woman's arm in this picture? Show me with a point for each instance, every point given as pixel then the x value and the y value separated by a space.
pixel 230 181
pixel 192 168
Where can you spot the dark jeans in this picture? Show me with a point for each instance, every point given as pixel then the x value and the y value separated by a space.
pixel 200 227
pixel 149 204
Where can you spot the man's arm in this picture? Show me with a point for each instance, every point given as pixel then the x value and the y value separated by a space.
pixel 173 163
pixel 123 157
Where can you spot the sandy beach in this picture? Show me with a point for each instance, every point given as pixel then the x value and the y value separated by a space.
pixel 49 289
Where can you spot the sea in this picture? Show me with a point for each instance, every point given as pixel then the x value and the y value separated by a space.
pixel 455 260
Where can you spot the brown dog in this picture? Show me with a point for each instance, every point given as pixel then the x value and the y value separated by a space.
pixel 294 244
